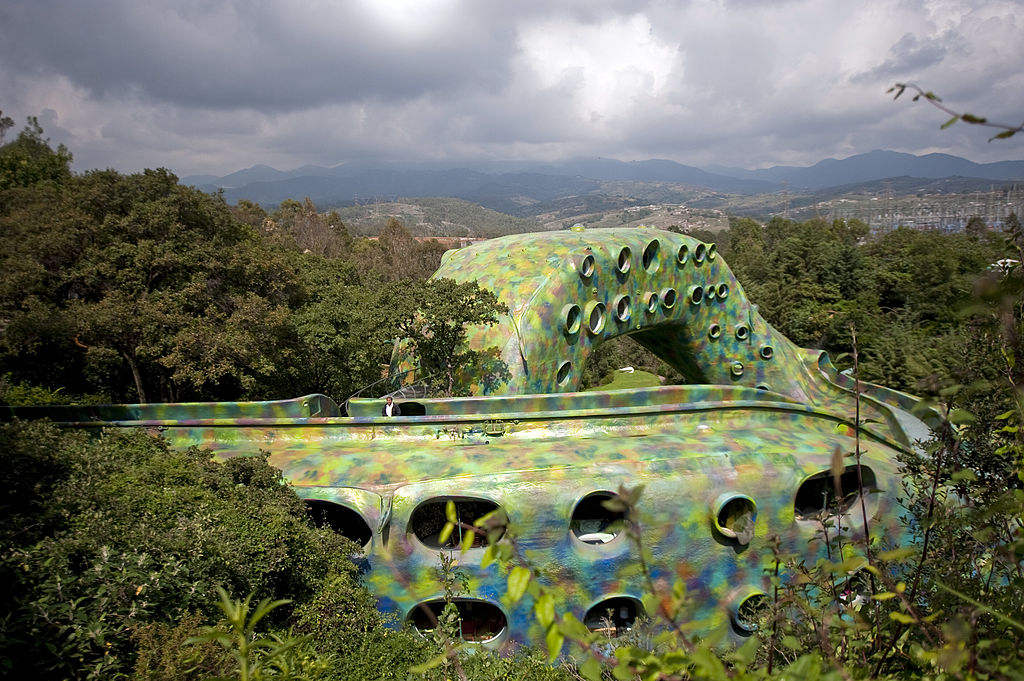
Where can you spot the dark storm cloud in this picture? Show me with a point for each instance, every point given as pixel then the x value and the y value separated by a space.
pixel 204 86
pixel 252 54
pixel 910 55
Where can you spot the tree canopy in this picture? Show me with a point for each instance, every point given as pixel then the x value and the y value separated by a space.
pixel 136 288
pixel 29 160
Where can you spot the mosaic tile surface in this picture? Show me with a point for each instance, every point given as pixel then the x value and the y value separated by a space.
pixel 758 425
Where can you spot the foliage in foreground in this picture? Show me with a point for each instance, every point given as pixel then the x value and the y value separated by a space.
pixel 102 537
pixel 116 550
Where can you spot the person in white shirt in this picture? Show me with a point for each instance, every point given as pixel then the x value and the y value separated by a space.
pixel 390 408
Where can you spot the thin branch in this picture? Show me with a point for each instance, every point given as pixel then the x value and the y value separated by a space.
pixel 936 101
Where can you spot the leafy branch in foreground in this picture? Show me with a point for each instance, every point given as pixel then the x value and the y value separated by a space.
pixel 936 101
pixel 255 656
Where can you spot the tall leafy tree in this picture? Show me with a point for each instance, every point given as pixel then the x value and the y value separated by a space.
pixel 396 255
pixel 29 159
pixel 345 330
pixel 433 316
pixel 6 123
pixel 302 226
pixel 139 276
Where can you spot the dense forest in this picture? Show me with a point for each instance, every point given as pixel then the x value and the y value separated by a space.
pixel 133 288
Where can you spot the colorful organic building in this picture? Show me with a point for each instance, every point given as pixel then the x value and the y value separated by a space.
pixel 739 455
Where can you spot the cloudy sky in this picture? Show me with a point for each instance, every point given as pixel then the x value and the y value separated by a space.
pixel 212 86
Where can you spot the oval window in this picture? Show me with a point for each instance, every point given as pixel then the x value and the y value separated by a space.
pixel 622 262
pixel 650 256
pixel 592 522
pixel 622 311
pixel 479 621
pixel 613 616
pixel 347 522
pixel 430 517
pixel 817 494
pixel 749 612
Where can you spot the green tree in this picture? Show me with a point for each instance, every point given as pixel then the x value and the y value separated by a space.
pixel 139 280
pixel 433 316
pixel 301 226
pixel 903 291
pixel 249 213
pixel 6 123
pixel 804 277
pixel 397 255
pixel 30 160
pixel 976 226
pixel 345 331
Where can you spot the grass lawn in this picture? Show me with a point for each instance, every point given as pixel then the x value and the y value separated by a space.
pixel 622 381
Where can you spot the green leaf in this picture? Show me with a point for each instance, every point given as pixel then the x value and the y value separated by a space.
pixel 950 122
pixel 961 417
pixel 446 532
pixel 467 540
pixel 482 520
pixel 650 602
pixel 791 642
pixel 900 617
pixel 487 558
pixel 590 669
pixel 263 608
pixel 615 505
pixel 554 640
pixel 964 475
pixel 923 409
pixel 518 580
pixel 573 628
pixel 449 512
pixel 623 672
pixel 950 390
pixel 544 609
pixel 849 566
pixel 1005 134
pixel 433 662
pixel 746 653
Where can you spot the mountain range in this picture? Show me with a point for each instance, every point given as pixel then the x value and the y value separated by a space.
pixel 506 186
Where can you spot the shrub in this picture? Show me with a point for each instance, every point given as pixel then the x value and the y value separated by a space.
pixel 105 535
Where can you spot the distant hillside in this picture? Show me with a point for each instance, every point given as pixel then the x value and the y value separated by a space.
pixel 656 170
pixel 434 217
pixel 605 192
pixel 879 165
